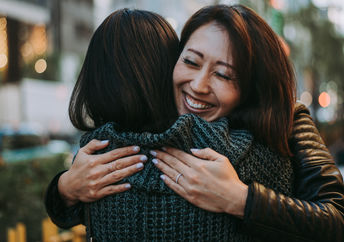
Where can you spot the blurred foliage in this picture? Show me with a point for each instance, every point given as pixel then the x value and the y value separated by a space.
pixel 22 187
pixel 326 59
pixel 317 49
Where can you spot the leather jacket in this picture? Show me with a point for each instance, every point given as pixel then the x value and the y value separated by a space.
pixel 316 213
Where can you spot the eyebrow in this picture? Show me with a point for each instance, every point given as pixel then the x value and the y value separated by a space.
pixel 217 62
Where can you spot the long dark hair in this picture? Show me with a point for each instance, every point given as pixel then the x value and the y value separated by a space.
pixel 126 76
pixel 265 76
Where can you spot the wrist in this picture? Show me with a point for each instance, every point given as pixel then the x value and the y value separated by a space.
pixel 236 206
pixel 62 187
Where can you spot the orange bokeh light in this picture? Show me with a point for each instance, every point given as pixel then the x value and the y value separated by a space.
pixel 277 4
pixel 324 99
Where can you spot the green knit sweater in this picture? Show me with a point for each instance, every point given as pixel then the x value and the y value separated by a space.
pixel 151 211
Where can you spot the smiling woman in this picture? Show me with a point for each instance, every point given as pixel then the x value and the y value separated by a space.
pixel 204 76
pixel 271 179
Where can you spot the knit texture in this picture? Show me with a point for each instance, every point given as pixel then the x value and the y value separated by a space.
pixel 151 211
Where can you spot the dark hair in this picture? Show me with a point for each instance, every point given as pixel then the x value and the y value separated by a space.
pixel 126 76
pixel 265 75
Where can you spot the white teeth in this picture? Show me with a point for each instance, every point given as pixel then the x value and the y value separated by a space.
pixel 196 105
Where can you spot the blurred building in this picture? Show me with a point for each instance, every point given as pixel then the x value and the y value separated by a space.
pixel 42 43
pixel 44 40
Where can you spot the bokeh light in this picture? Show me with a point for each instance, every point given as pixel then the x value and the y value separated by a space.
pixel 27 50
pixel 324 99
pixel 306 98
pixel 40 66
pixel 3 60
pixel 277 4
pixel 3 43
pixel 3 23
pixel 36 44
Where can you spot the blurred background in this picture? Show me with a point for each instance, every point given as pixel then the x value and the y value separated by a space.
pixel 42 46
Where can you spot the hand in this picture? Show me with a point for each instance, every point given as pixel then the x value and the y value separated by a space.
pixel 208 180
pixel 91 177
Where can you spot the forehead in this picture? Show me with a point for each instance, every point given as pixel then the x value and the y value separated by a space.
pixel 210 39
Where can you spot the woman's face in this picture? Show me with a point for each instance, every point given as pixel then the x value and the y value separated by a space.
pixel 204 78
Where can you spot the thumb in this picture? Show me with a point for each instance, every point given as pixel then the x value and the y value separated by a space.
pixel 94 145
pixel 206 154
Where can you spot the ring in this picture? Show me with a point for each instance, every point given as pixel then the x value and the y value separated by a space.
pixel 178 176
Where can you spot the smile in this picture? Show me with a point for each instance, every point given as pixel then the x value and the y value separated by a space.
pixel 196 104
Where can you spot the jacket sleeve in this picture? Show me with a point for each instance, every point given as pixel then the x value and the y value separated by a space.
pixel 316 213
pixel 63 216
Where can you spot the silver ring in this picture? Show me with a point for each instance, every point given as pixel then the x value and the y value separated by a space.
pixel 178 176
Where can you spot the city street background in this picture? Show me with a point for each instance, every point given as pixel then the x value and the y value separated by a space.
pixel 42 46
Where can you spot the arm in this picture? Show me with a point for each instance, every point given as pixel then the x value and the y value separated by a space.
pixel 317 211
pixel 62 215
pixel 90 178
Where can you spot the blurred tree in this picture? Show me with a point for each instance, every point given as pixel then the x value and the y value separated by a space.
pixel 22 187
pixel 325 60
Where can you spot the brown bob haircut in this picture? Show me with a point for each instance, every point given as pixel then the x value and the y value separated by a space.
pixel 265 76
pixel 126 76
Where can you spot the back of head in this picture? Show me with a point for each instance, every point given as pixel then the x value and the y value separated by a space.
pixel 127 74
pixel 264 73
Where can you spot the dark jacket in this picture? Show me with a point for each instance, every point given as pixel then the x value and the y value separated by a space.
pixel 316 213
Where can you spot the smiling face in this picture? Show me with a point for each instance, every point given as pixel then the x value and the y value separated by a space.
pixel 204 78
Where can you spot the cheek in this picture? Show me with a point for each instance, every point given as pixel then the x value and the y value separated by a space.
pixel 177 73
pixel 229 99
pixel 176 86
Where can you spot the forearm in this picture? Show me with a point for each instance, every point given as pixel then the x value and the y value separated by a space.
pixel 62 215
pixel 273 216
pixel 316 212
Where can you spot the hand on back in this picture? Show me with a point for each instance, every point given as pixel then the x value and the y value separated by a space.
pixel 208 179
pixel 92 177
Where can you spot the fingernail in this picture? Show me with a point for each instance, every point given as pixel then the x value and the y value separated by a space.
pixel 194 150
pixel 143 158
pixel 152 152
pixel 163 177
pixel 136 148
pixel 155 161
pixel 104 141
pixel 139 165
pixel 127 186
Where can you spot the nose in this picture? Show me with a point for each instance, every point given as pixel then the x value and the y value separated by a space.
pixel 200 83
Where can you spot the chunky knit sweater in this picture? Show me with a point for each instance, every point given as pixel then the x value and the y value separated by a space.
pixel 151 211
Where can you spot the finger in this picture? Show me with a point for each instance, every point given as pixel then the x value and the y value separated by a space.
pixel 124 162
pixel 116 154
pixel 170 160
pixel 178 188
pixel 118 175
pixel 167 170
pixel 206 154
pixel 94 145
pixel 109 190
pixel 186 158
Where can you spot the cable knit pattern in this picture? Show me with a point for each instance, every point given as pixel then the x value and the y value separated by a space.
pixel 150 211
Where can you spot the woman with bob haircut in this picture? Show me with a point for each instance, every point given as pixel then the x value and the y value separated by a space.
pixel 258 74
